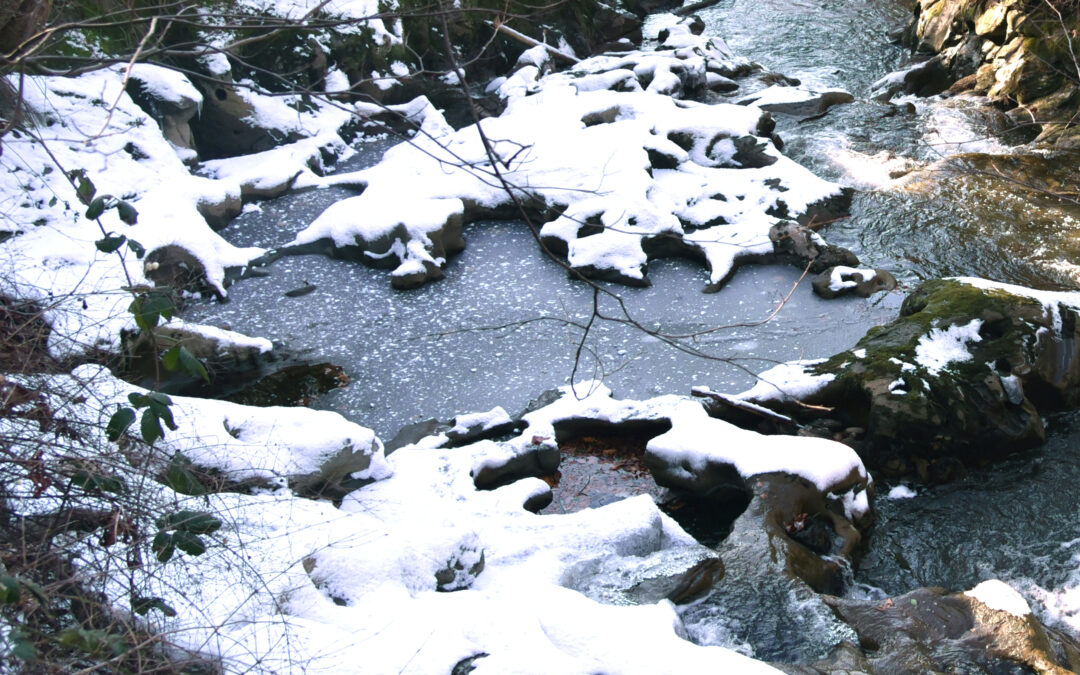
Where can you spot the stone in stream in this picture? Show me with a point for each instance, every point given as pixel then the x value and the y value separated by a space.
pixel 989 629
pixel 797 101
pixel 839 280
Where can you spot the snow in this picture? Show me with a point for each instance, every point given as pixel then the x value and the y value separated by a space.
pixel 330 587
pixel 165 84
pixel 365 14
pixel 89 123
pixel 568 141
pixel 942 346
pixel 779 94
pixel 483 421
pixel 901 492
pixel 296 165
pixel 1000 596
pixel 837 282
pixel 788 381
pixel 1049 299
pixel 695 439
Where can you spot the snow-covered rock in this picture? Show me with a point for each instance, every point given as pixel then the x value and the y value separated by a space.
pixel 621 167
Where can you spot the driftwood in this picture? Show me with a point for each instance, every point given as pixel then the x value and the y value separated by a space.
pixel 743 406
pixel 521 37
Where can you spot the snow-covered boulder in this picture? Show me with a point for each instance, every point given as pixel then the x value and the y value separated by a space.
pixel 169 97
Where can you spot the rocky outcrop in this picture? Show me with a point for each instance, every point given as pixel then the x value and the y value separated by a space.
pixel 1021 54
pixel 960 378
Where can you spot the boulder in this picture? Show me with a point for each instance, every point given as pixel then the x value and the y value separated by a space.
pixel 229 124
pixel 989 629
pixel 170 98
pixel 958 379
pixel 801 246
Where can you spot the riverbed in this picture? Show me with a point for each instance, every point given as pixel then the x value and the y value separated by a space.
pixel 504 325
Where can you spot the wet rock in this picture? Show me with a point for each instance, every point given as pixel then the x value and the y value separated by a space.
pixel 223 353
pixel 800 246
pixel 925 78
pixel 766 564
pixel 414 433
pixel 836 281
pixel 795 102
pixel 959 379
pixel 175 267
pixel 336 476
pixel 929 630
pixel 476 426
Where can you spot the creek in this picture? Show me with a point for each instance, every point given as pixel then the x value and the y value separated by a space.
pixel 494 331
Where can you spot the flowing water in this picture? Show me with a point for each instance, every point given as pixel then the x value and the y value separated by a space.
pixel 495 331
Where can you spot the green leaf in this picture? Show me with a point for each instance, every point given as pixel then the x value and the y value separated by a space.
pixel 159 398
pixel 195 522
pixel 24 649
pixel 189 543
pixel 96 482
pixel 127 213
pixel 141 605
pixel 110 244
pixel 191 365
pixel 163 413
pixel 150 427
pixel 95 642
pixel 136 248
pixel 171 358
pixel 149 307
pixel 9 589
pixel 181 478
pixel 163 546
pixel 138 400
pixel 119 423
pixel 84 187
pixel 98 206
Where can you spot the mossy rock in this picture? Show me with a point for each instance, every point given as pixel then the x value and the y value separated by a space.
pixel 957 380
